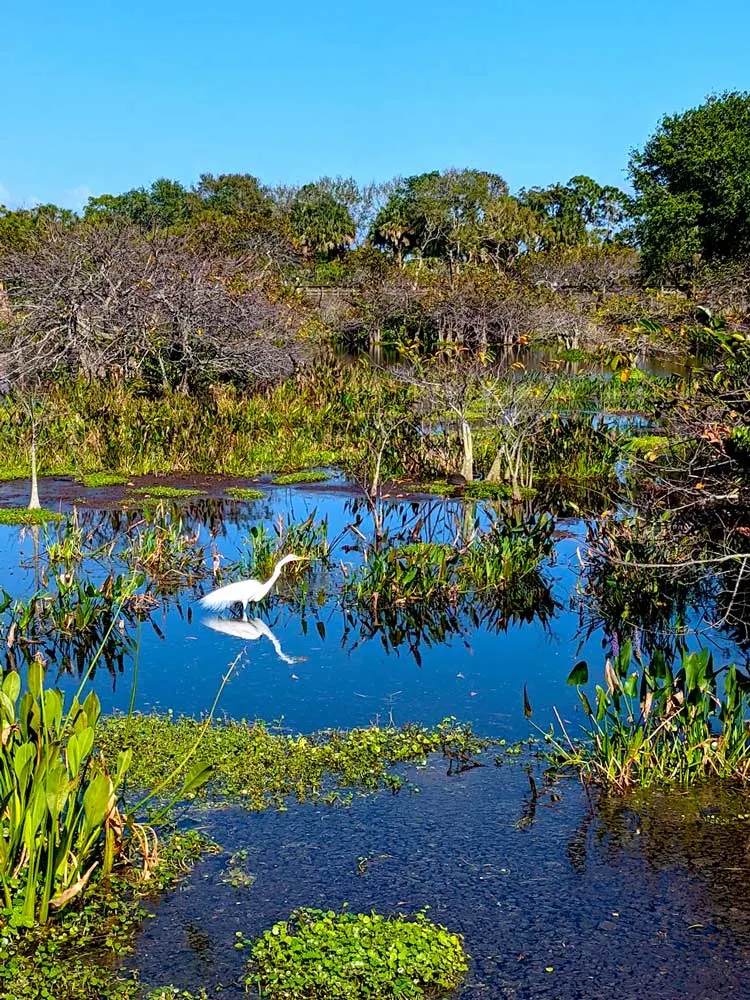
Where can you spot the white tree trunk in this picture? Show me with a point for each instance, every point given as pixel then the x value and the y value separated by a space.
pixel 467 469
pixel 34 499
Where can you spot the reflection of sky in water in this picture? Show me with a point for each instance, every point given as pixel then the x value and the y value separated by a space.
pixel 336 681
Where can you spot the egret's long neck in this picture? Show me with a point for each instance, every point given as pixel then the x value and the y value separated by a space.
pixel 276 573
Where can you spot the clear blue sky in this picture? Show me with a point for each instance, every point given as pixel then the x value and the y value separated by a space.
pixel 110 95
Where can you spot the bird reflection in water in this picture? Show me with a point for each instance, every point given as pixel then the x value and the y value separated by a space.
pixel 248 630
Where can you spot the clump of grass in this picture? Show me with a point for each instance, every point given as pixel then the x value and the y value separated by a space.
pixel 438 487
pixel 309 476
pixel 166 492
pixel 653 724
pixel 165 551
pixel 26 515
pixel 259 768
pixel 244 493
pixel 319 955
pixel 482 489
pixel 494 560
pixel 97 480
pixel 649 446
pixel 309 538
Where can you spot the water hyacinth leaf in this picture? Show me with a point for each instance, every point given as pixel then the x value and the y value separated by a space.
pixel 579 674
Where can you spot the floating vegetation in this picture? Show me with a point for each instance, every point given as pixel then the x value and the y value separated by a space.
pixel 98 480
pixel 291 478
pixel 323 955
pixel 653 724
pixel 244 493
pixel 259 768
pixel 166 492
pixel 28 515
pixel 483 489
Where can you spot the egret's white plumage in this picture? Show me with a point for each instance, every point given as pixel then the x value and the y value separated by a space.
pixel 252 628
pixel 244 592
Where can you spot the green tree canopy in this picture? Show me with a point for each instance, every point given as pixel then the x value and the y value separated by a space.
pixel 165 203
pixel 692 183
pixel 437 214
pixel 321 224
pixel 578 212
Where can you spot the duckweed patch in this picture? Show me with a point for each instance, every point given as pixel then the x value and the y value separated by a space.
pixel 355 956
pixel 26 515
pixel 259 768
pixel 97 480
pixel 244 493
pixel 305 476
pixel 74 957
pixel 166 492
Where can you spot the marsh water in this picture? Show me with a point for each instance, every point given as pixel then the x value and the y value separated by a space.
pixel 558 894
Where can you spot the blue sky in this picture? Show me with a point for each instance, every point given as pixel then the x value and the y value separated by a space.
pixel 107 96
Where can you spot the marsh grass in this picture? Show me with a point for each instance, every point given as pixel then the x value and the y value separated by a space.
pixel 308 538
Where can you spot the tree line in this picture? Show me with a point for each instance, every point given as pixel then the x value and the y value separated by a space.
pixel 181 284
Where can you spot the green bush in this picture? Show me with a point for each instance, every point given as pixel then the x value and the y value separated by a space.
pixel 244 493
pixel 317 954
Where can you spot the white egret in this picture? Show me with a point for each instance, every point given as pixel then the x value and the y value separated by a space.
pixel 244 592
pixel 252 628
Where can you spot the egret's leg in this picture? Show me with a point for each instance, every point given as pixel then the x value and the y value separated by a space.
pixel 244 612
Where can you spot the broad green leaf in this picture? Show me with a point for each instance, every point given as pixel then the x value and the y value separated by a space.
pixel 579 674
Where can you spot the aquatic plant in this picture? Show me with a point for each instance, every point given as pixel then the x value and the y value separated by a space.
pixel 78 955
pixel 323 955
pixel 161 548
pixel 308 538
pixel 244 493
pixel 309 476
pixel 28 515
pixel 654 723
pixel 60 818
pixel 166 492
pixel 259 768
pixel 493 559
pixel 98 480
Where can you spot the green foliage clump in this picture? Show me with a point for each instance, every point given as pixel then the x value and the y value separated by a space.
pixel 649 446
pixel 259 768
pixel 75 957
pixel 692 201
pixel 60 817
pixel 483 489
pixel 28 515
pixel 309 476
pixel 166 492
pixel 309 539
pixel 244 493
pixel 97 480
pixel 496 560
pixel 323 955
pixel 654 724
